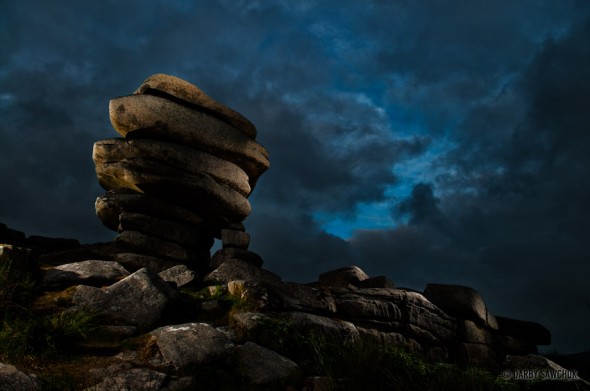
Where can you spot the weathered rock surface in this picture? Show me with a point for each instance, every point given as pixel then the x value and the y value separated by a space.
pixel 137 300
pixel 13 379
pixel 174 185
pixel 180 275
pixel 236 269
pixel 165 229
pixel 343 277
pixel 235 239
pixel 91 272
pixel 149 116
pixel 174 155
pixel 133 262
pixel 461 301
pixel 137 241
pixel 263 366
pixel 114 202
pixel 172 86
pixel 231 253
pixel 186 345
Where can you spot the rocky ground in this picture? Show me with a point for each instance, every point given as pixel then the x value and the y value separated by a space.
pixel 239 326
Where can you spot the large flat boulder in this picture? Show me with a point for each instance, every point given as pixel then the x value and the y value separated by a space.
pixel 138 300
pixel 461 302
pixel 165 229
pixel 191 95
pixel 187 345
pixel 197 192
pixel 90 272
pixel 142 243
pixel 178 156
pixel 114 202
pixel 148 116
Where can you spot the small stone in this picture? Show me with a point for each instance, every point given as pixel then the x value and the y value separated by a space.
pixel 179 275
pixel 235 239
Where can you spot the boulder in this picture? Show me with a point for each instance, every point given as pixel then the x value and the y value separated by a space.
pixel 13 379
pixel 343 277
pixel 91 272
pixel 236 269
pixel 235 239
pixel 471 332
pixel 174 155
pixel 137 241
pixel 180 275
pixel 133 262
pixel 187 93
pixel 262 366
pixel 271 329
pixel 396 310
pixel 274 296
pixel 101 251
pixel 461 302
pixel 229 253
pixel 148 116
pixel 197 192
pixel 187 345
pixel 524 330
pixel 114 202
pixel 137 300
pixel 165 229
pixel 376 282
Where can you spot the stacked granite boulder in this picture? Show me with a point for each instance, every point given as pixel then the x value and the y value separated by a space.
pixel 179 177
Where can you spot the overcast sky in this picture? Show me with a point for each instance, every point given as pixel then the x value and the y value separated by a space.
pixel 430 141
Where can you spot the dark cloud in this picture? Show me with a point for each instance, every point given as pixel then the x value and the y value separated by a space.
pixel 479 107
pixel 513 216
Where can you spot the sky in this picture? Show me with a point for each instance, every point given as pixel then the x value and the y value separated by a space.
pixel 429 141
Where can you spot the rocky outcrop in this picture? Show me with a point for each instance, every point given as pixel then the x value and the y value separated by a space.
pixel 170 316
pixel 180 175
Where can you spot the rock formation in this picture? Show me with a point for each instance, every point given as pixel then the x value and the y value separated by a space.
pixel 166 312
pixel 180 175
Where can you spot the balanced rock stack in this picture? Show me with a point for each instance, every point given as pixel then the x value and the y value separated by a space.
pixel 179 177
